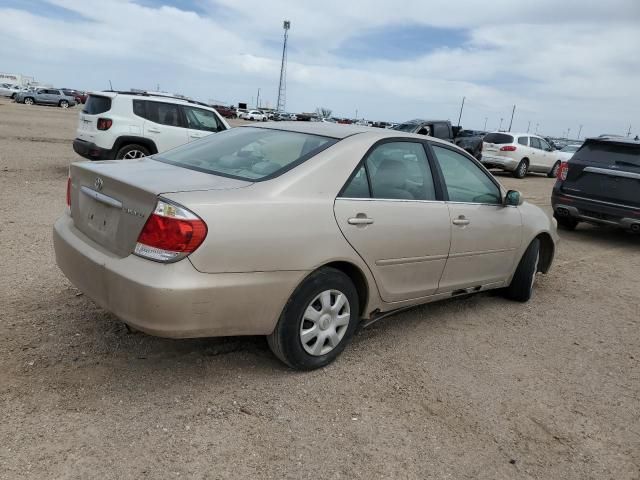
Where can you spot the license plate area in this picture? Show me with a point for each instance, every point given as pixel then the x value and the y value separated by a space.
pixel 99 216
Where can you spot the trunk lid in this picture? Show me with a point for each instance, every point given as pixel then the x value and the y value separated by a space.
pixel 111 200
pixel 606 170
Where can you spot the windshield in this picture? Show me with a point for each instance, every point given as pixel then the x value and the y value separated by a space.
pixel 406 127
pixel 247 153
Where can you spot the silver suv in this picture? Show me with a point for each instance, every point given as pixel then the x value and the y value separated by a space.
pixel 45 96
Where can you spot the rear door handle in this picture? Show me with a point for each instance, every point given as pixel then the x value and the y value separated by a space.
pixel 461 220
pixel 360 220
pixel 153 130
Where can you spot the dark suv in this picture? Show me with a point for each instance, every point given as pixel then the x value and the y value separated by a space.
pixel 600 184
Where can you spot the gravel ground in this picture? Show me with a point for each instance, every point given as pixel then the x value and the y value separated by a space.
pixel 473 388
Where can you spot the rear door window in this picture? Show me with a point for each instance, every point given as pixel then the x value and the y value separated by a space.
pixel 441 130
pixel 499 138
pixel 164 113
pixel 535 143
pixel 523 141
pixel 97 104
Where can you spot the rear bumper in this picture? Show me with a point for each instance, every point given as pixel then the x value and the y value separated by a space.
pixel 172 300
pixel 91 151
pixel 494 161
pixel 586 210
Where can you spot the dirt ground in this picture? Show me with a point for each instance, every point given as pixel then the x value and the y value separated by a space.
pixel 474 388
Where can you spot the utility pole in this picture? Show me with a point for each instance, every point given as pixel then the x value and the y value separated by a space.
pixel 356 114
pixel 500 127
pixel 579 132
pixel 512 112
pixel 461 107
pixel 529 126
pixel 568 133
pixel 537 128
pixel 629 131
pixel 258 99
pixel 282 87
pixel 485 123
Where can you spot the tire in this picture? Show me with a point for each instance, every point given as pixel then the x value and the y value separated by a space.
pixel 567 223
pixel 286 341
pixel 554 170
pixel 264 119
pixel 63 104
pixel 521 287
pixel 521 169
pixel 28 101
pixel 131 152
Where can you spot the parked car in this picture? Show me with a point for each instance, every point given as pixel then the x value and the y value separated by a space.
pixel 600 184
pixel 256 115
pixel 520 153
pixel 240 112
pixel 9 90
pixel 294 231
pixel 45 96
pixel 471 141
pixel 567 152
pixel 127 125
pixel 443 130
pixel 81 97
pixel 226 112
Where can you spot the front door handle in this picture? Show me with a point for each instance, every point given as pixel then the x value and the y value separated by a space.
pixel 360 219
pixel 461 220
pixel 153 130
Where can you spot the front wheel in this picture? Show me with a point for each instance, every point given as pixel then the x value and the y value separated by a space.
pixel 521 169
pixel 554 171
pixel 317 322
pixel 63 104
pixel 521 287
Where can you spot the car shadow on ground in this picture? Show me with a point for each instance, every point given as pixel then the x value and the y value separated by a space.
pixel 602 236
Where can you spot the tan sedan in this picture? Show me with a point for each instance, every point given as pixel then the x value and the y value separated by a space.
pixel 297 231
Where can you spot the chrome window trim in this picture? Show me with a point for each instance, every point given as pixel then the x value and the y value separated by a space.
pixel 400 200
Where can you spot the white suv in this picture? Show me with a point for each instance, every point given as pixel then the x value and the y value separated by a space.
pixel 125 125
pixel 520 153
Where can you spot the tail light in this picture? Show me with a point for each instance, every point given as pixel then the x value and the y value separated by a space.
pixel 69 192
pixel 171 233
pixel 563 171
pixel 508 148
pixel 104 123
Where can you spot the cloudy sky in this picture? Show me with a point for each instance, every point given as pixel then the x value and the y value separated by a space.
pixel 564 63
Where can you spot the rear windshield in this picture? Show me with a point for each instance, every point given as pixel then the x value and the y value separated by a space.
pixel 406 127
pixel 96 104
pixel 617 154
pixel 498 138
pixel 247 153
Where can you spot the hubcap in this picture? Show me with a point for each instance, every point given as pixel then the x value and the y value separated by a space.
pixel 523 169
pixel 133 154
pixel 325 322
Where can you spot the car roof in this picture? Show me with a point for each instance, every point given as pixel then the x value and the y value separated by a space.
pixel 340 131
pixel 418 121
pixel 149 96
pixel 613 139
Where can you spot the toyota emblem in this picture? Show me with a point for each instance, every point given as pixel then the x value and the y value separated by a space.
pixel 98 183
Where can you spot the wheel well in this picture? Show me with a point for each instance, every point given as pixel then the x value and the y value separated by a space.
pixel 358 279
pixel 525 159
pixel 546 252
pixel 122 141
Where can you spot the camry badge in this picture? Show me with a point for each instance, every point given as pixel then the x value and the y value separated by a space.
pixel 99 183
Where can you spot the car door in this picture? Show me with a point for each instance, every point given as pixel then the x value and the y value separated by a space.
pixel 201 122
pixel 537 158
pixel 392 213
pixel 165 125
pixel 548 157
pixel 42 96
pixel 485 235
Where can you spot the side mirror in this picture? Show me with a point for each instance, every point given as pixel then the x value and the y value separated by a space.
pixel 513 198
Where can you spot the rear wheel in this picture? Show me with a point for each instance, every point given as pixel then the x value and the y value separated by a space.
pixel 132 151
pixel 521 287
pixel 317 322
pixel 28 101
pixel 521 169
pixel 554 171
pixel 63 104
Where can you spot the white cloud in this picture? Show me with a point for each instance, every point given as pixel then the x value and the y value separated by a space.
pixel 562 63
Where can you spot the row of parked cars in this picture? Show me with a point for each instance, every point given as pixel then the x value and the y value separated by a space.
pixel 61 97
